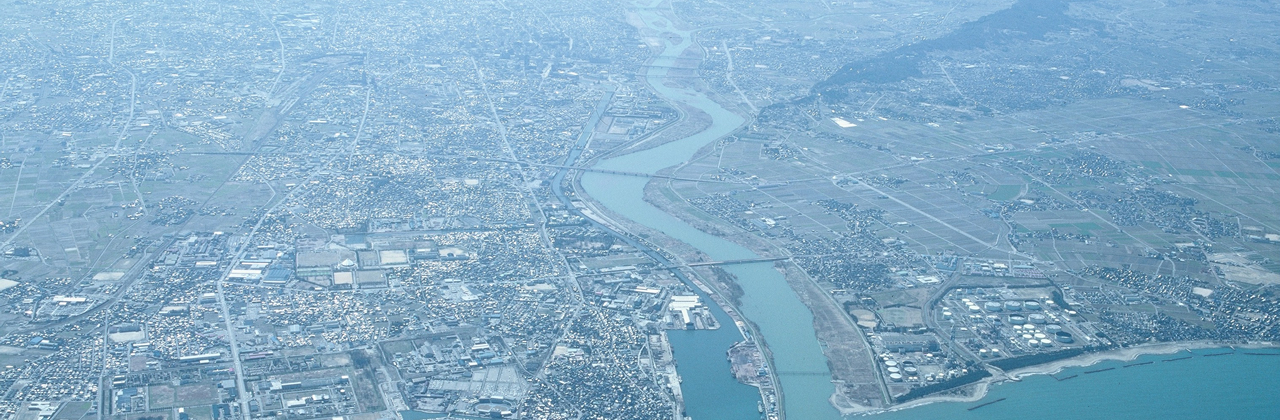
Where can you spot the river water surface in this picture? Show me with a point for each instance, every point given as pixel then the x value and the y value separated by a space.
pixel 710 392
pixel 1233 386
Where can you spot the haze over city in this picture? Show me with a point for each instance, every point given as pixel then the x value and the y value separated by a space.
pixel 639 209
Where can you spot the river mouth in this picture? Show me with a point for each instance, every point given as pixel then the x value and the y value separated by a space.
pixel 767 301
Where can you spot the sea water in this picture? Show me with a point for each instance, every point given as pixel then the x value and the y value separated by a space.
pixel 1234 386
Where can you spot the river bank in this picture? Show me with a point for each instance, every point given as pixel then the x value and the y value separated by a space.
pixel 769 308
pixel 858 386
pixel 616 201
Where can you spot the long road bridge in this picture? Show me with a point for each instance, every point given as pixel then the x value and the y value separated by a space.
pixel 699 264
pixel 733 262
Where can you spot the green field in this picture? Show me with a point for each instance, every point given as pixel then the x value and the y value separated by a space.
pixel 1006 192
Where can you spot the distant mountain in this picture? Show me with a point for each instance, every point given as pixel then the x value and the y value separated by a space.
pixel 1023 21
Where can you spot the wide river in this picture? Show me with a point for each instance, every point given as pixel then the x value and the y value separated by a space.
pixel 1234 386
pixel 787 325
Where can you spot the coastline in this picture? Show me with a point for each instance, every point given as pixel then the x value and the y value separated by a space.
pixel 971 393
pixel 978 390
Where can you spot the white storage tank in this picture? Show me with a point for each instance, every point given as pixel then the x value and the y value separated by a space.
pixel 1013 305
pixel 1031 305
pixel 1037 319
pixel 993 307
